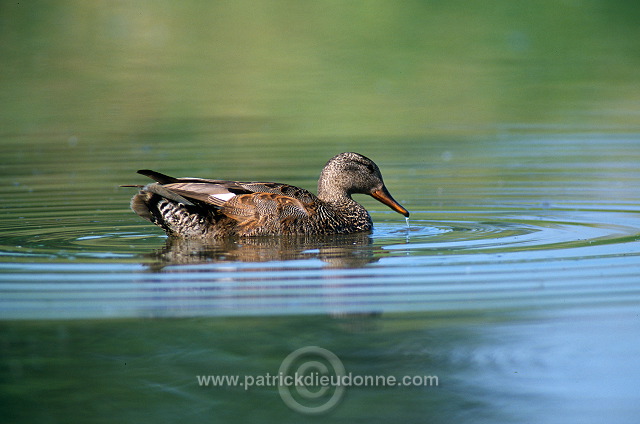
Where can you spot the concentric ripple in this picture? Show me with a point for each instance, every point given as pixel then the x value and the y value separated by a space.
pixel 512 231
pixel 445 260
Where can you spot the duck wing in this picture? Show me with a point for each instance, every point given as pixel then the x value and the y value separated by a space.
pixel 240 197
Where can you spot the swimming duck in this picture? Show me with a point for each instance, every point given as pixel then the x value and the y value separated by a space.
pixel 197 207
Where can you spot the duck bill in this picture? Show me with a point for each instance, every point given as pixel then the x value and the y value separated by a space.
pixel 382 195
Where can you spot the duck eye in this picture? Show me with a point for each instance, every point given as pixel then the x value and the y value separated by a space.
pixel 370 167
pixel 367 165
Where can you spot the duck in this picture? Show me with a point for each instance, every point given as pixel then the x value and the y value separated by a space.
pixel 207 208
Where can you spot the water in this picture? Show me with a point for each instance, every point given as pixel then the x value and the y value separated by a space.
pixel 515 280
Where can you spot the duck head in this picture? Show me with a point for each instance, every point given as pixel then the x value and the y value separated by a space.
pixel 349 173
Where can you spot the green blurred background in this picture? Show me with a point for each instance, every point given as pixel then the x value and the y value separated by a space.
pixel 322 68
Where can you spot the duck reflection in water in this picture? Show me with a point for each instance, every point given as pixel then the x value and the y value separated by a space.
pixel 337 251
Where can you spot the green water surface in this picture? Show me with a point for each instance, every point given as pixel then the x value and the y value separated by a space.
pixel 509 130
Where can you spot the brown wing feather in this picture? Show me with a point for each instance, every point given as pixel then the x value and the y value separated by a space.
pixel 279 188
pixel 265 212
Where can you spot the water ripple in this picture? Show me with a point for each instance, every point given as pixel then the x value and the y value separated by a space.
pixel 445 260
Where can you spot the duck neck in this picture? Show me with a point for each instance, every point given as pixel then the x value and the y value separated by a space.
pixel 339 199
pixel 331 193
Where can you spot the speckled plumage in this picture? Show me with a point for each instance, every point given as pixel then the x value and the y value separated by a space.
pixel 196 207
